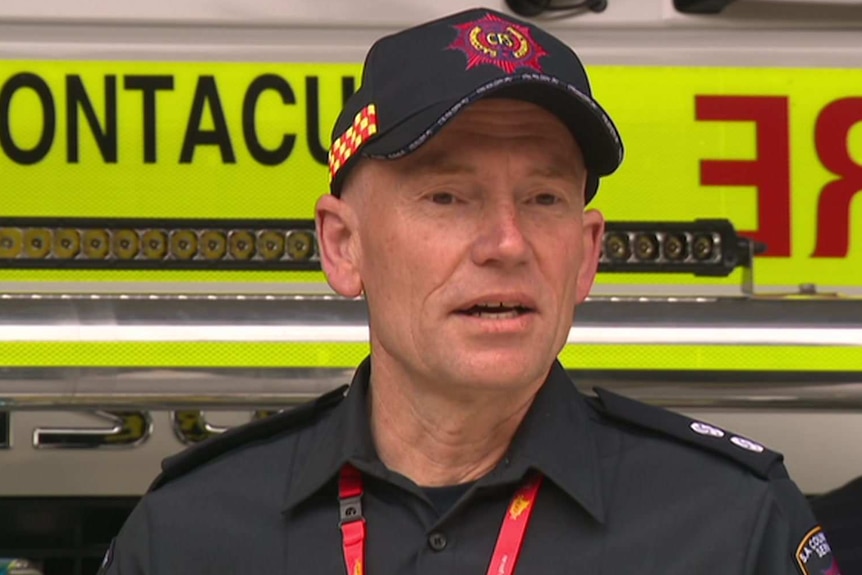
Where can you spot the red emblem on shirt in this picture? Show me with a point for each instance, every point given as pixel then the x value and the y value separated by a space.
pixel 492 40
pixel 518 506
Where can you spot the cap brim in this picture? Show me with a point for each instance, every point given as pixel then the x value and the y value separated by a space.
pixel 588 122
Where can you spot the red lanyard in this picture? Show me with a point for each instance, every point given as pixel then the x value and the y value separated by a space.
pixel 509 541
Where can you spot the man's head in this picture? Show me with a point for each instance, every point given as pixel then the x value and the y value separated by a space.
pixel 416 81
pixel 473 248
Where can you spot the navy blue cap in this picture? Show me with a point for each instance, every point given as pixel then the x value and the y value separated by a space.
pixel 417 80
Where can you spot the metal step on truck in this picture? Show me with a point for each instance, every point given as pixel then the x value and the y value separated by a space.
pixel 159 279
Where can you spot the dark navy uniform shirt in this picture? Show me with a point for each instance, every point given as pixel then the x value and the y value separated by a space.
pixel 628 488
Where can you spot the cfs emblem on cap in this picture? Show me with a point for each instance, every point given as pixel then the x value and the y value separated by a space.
pixel 492 40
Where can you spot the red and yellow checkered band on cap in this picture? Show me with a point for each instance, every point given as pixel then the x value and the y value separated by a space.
pixel 364 126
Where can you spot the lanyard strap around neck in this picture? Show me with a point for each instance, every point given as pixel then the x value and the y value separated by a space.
pixel 352 520
pixel 509 541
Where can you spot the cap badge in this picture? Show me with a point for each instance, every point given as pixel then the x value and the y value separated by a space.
pixel 492 40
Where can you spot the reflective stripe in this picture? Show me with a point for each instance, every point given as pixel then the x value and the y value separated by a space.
pixel 349 355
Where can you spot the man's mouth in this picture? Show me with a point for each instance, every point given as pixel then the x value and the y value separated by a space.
pixel 496 310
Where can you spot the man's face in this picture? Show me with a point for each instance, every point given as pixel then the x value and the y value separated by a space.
pixel 472 251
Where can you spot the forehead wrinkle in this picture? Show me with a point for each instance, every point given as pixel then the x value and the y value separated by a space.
pixel 435 161
pixel 502 124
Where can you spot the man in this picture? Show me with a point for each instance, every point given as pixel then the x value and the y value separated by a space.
pixel 460 173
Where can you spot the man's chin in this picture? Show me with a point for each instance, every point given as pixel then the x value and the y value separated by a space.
pixel 510 369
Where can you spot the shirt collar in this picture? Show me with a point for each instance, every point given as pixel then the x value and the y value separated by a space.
pixel 344 436
pixel 555 438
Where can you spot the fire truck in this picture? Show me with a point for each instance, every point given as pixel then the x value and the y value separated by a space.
pixel 159 275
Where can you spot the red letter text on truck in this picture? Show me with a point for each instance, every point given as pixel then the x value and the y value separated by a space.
pixel 769 172
pixel 833 210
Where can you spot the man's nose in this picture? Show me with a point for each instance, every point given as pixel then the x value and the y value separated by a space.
pixel 501 236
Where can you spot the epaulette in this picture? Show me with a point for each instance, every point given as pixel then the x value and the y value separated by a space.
pixel 181 463
pixel 750 454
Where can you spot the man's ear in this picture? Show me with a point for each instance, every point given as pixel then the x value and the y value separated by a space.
pixel 338 241
pixel 593 232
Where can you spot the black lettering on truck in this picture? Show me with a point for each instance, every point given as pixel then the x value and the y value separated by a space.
pixel 37 153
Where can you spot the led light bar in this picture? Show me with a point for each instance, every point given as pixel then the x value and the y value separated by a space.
pixel 701 6
pixel 702 247
pixel 158 244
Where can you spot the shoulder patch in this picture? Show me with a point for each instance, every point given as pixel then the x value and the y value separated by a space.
pixel 185 461
pixel 814 555
pixel 750 454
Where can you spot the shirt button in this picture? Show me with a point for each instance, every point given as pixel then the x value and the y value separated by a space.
pixel 437 541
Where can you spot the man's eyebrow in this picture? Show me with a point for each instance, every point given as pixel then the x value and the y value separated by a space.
pixel 437 163
pixel 442 163
pixel 558 168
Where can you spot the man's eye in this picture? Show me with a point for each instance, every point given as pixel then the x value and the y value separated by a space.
pixel 443 198
pixel 546 199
